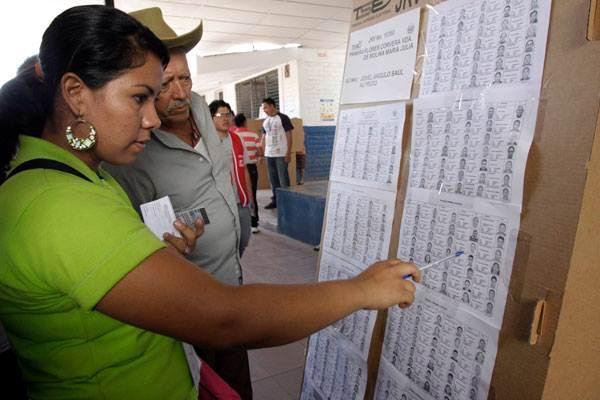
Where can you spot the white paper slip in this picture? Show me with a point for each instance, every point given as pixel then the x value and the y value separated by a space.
pixel 194 363
pixel 159 217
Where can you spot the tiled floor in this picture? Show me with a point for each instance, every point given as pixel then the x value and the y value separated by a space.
pixel 273 258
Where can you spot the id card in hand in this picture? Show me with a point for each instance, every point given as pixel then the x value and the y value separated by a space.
pixel 190 216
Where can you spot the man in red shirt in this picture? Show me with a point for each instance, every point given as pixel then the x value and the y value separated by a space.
pixel 222 116
pixel 233 364
pixel 250 141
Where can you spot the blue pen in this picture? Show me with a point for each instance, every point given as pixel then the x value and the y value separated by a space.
pixel 433 264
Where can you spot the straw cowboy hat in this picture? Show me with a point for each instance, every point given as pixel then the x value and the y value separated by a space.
pixel 153 19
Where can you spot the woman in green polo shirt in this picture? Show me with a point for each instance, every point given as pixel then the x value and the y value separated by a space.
pixel 94 305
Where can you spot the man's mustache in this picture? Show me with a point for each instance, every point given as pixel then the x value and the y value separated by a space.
pixel 177 104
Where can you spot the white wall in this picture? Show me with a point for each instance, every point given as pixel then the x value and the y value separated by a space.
pixel 216 71
pixel 315 75
pixel 289 96
pixel 289 93
pixel 320 87
pixel 209 96
pixel 228 95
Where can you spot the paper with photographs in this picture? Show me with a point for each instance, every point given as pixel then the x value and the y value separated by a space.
pixel 392 385
pixel 368 147
pixel 434 228
pixel 380 61
pixel 473 43
pixel 440 349
pixel 474 143
pixel 358 224
pixel 333 370
pixel 357 328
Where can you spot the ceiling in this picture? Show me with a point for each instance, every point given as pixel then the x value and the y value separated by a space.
pixel 321 24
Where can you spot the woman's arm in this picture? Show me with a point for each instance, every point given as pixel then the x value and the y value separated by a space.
pixel 169 295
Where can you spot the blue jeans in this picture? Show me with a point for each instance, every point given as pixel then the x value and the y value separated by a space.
pixel 278 174
pixel 253 172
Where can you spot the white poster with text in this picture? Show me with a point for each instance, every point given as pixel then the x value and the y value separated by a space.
pixel 381 60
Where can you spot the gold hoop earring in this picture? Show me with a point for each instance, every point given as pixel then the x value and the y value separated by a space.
pixel 78 143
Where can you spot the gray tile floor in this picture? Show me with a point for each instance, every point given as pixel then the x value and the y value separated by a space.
pixel 273 258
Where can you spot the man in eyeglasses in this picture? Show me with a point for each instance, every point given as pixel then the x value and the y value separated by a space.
pixel 222 117
pixel 188 161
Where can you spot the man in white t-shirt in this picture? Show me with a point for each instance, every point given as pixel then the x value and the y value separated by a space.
pixel 277 144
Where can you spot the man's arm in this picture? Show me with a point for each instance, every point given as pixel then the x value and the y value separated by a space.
pixel 288 127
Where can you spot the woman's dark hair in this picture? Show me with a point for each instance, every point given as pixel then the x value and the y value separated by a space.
pixel 240 120
pixel 97 43
pixel 28 64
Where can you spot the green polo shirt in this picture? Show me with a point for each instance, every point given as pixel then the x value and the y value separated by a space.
pixel 64 243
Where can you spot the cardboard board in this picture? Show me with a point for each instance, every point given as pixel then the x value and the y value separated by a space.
pixel 555 179
pixel 556 176
pixel 594 21
pixel 574 358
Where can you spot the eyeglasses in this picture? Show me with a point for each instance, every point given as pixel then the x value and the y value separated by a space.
pixel 226 115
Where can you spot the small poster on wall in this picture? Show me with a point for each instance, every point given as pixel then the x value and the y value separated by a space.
pixel 381 60
pixel 328 110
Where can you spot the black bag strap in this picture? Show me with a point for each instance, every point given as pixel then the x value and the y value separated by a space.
pixel 43 163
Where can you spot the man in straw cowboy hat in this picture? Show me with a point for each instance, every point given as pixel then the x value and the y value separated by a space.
pixel 187 160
